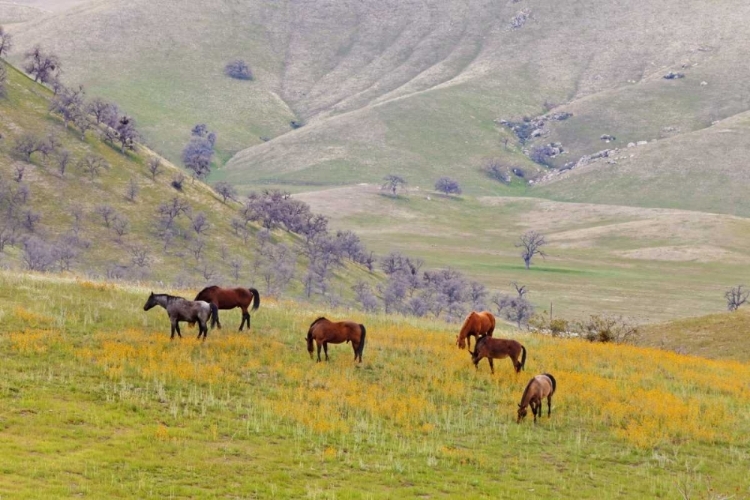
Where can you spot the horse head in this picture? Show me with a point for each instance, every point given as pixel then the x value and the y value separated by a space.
pixel 521 413
pixel 151 302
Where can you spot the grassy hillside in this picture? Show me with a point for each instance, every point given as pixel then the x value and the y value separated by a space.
pixel 714 336
pixel 97 402
pixel 648 264
pixel 69 206
pixel 415 87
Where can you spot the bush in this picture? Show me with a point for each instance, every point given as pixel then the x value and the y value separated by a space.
pixel 607 329
pixel 238 69
pixel 447 185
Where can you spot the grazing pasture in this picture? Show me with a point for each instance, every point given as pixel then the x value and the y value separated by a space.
pixel 95 401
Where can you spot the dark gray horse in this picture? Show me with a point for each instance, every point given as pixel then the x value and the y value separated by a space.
pixel 180 309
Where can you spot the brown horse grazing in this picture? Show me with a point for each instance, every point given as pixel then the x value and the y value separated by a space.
pixel 229 298
pixel 490 348
pixel 540 387
pixel 180 309
pixel 476 324
pixel 324 332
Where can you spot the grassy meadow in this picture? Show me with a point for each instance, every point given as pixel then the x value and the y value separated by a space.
pixel 95 401
pixel 650 265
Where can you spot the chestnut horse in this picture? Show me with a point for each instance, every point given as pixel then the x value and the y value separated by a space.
pixel 476 324
pixel 229 298
pixel 180 309
pixel 324 332
pixel 490 348
pixel 540 387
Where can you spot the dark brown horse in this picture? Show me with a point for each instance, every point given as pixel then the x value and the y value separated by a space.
pixel 229 298
pixel 180 309
pixel 540 387
pixel 476 324
pixel 324 332
pixel 490 348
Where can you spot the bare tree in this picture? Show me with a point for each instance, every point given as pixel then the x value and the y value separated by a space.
pixel 225 190
pixel 68 103
pixel 516 309
pixel 199 223
pixel 168 212
pixel 37 254
pixel 107 214
pixel 29 220
pixel 238 69
pixel 154 166
pixel 103 111
pixel 392 183
pixel 139 256
pixel 521 290
pixel 3 79
pixel 63 161
pixel 132 190
pixel 27 144
pixel 237 264
pixel 20 171
pixel 736 296
pixel 6 42
pixel 197 246
pixel 365 296
pixel 92 165
pixel 43 67
pixel 121 226
pixel 197 156
pixel 126 133
pixel 447 185
pixel 530 244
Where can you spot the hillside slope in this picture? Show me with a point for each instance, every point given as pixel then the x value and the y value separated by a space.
pixel 111 223
pixel 411 87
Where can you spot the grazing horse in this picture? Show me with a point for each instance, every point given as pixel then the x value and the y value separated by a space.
pixel 476 324
pixel 324 332
pixel 490 348
pixel 540 387
pixel 180 309
pixel 229 298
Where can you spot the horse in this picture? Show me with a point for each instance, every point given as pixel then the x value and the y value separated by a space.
pixel 490 348
pixel 229 298
pixel 476 324
pixel 324 332
pixel 180 309
pixel 539 387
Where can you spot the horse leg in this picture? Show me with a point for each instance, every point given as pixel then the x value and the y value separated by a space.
pixel 355 346
pixel 325 348
pixel 177 327
pixel 245 318
pixel 549 405
pixel 319 346
pixel 172 330
pixel 492 366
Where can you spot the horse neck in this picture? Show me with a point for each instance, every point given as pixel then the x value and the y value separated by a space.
pixel 165 300
pixel 527 393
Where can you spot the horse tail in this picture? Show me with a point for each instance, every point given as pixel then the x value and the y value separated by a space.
pixel 523 357
pixel 256 298
pixel 361 341
pixel 554 382
pixel 214 314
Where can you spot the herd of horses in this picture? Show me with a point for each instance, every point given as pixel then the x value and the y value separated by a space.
pixel 480 325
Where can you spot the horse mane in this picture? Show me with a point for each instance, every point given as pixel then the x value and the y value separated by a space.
pixel 313 323
pixel 208 288
pixel 526 391
pixel 552 379
pixel 169 297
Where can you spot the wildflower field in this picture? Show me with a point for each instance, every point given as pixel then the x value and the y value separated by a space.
pixel 96 401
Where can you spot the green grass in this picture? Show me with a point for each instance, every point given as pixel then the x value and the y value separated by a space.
pixel 96 402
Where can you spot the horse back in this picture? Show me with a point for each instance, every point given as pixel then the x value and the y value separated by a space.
pixel 324 330
pixel 552 381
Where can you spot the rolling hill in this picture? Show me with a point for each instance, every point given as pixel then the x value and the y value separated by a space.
pixel 417 87
pixel 107 223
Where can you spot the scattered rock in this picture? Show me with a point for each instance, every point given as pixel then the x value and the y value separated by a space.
pixel 560 116
pixel 520 19
pixel 641 143
pixel 704 83
pixel 607 137
pixel 631 144
pixel 673 76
